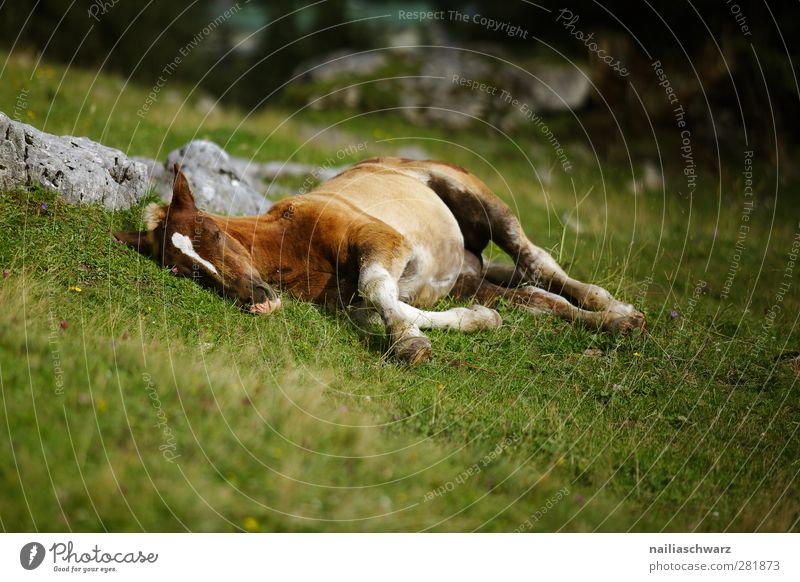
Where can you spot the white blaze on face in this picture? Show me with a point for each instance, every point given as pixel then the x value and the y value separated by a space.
pixel 184 244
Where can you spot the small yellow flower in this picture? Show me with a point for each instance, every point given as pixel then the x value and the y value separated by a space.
pixel 74 288
pixel 637 354
pixel 101 405
pixel 251 524
pixel 441 387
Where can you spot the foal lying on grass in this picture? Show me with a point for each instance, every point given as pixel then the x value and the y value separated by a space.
pixel 389 237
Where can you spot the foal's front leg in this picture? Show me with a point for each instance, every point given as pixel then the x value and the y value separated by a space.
pixel 379 288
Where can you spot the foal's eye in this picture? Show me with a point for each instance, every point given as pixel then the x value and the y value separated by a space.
pixel 217 235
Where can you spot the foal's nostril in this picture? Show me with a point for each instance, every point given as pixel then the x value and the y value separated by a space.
pixel 265 300
pixel 268 293
pixel 263 292
pixel 259 294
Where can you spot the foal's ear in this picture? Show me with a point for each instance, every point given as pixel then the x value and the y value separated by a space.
pixel 141 241
pixel 182 196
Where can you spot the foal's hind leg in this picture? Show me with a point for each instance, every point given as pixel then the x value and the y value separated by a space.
pixel 535 266
pixel 482 216
pixel 472 284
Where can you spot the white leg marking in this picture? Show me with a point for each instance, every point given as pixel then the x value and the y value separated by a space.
pixel 381 290
pixel 184 244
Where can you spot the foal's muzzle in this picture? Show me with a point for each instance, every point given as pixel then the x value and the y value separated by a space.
pixel 264 299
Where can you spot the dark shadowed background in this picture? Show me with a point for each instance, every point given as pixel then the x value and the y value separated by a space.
pixel 650 147
pixel 729 61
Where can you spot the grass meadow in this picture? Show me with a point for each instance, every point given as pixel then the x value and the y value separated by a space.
pixel 132 400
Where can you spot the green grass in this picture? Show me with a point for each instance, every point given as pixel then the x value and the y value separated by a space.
pixel 298 422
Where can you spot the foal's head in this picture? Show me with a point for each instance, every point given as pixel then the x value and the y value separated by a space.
pixel 193 245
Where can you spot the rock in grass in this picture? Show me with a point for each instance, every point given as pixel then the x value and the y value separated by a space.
pixel 217 183
pixel 79 170
pixel 156 173
pixel 227 184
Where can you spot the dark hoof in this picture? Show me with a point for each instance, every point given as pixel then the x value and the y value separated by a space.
pixel 413 350
pixel 626 324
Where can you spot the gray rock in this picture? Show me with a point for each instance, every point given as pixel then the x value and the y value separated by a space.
pixel 227 184
pixel 559 88
pixel 434 96
pixel 257 172
pixel 156 171
pixel 216 180
pixel 649 179
pixel 79 170
pixel 652 176
pixel 413 152
pixel 262 175
pixel 341 63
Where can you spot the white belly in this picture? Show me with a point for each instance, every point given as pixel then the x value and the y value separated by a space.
pixel 415 211
pixel 431 273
